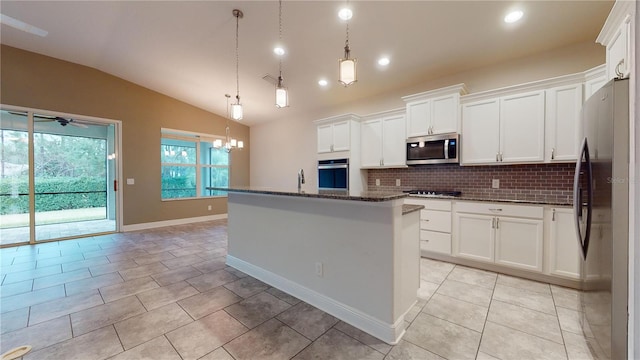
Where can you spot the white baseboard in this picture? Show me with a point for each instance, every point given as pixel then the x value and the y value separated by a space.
pixel 389 333
pixel 157 224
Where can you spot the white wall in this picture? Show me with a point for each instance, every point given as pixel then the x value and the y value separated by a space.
pixel 281 149
pixel 284 146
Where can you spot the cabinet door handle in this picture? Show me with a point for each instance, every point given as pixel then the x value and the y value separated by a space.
pixel 497 157
pixel 500 157
pixel 497 223
pixel 553 153
pixel 553 215
pixel 493 223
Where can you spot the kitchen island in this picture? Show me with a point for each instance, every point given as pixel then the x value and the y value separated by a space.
pixel 352 255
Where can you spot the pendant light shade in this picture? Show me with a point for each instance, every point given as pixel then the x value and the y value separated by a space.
pixel 347 69
pixel 282 94
pixel 236 111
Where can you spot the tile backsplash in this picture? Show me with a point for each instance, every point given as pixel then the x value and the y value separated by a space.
pixel 539 182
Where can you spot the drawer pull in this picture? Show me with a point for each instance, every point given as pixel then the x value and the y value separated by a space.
pixel 495 209
pixel 425 219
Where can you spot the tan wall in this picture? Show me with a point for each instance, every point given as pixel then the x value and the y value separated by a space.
pixel 289 144
pixel 41 82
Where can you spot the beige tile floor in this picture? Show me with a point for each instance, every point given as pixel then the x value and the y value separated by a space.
pixel 167 294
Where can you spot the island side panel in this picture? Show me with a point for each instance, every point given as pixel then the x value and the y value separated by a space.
pixel 354 241
pixel 407 265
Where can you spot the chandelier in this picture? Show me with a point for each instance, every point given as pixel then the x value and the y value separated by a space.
pixel 230 143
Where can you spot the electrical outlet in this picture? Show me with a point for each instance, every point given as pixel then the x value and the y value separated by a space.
pixel 209 207
pixel 495 184
pixel 131 181
pixel 377 182
pixel 397 182
pixel 319 269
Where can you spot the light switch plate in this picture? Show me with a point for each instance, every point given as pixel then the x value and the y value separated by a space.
pixel 131 181
pixel 495 184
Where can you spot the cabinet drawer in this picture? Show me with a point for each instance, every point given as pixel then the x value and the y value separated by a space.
pixel 435 242
pixel 500 209
pixel 435 220
pixel 430 204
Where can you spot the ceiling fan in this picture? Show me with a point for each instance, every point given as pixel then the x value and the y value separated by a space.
pixel 62 121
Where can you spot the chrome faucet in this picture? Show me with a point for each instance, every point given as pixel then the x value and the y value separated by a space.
pixel 300 179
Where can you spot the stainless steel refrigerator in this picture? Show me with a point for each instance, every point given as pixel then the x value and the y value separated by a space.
pixel 601 207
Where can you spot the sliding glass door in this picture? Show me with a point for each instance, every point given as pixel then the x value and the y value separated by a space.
pixel 73 177
pixel 15 219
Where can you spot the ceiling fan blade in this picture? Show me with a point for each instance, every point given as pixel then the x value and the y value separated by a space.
pixel 270 79
pixel 77 124
pixel 44 118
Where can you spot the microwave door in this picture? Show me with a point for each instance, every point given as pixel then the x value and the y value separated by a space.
pixel 583 198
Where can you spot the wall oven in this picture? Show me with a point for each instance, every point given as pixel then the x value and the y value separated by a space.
pixel 433 149
pixel 333 174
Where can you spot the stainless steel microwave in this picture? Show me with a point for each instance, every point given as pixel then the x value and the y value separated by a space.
pixel 433 149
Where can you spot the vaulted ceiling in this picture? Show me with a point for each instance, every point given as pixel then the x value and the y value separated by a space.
pixel 186 49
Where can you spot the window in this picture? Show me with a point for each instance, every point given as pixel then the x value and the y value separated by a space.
pixel 190 164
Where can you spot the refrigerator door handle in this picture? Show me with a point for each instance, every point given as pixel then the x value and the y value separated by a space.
pixel 578 201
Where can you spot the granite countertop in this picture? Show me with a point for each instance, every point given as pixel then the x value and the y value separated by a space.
pixel 370 196
pixel 568 202
pixel 408 209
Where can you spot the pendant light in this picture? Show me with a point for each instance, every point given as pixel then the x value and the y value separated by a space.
pixel 230 143
pixel 236 109
pixel 347 66
pixel 282 94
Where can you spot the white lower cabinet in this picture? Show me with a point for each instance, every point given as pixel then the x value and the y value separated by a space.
pixel 519 242
pixel 475 236
pixel 510 235
pixel 435 225
pixel 564 252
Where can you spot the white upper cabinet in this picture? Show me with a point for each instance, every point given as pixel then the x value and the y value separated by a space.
pixel 383 140
pixel 341 136
pixel 562 123
pixel 480 140
pixel 333 137
pixel 434 112
pixel 393 141
pixel 371 143
pixel 594 79
pixel 508 129
pixel 617 37
pixel 522 128
pixel 325 138
pixel 337 133
pixel 535 122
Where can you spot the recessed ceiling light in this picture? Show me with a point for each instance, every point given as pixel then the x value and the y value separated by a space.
pixel 278 50
pixel 345 14
pixel 513 16
pixel 323 82
pixel 383 61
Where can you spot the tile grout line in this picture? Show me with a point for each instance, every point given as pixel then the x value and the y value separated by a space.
pixel 564 343
pixel 486 318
